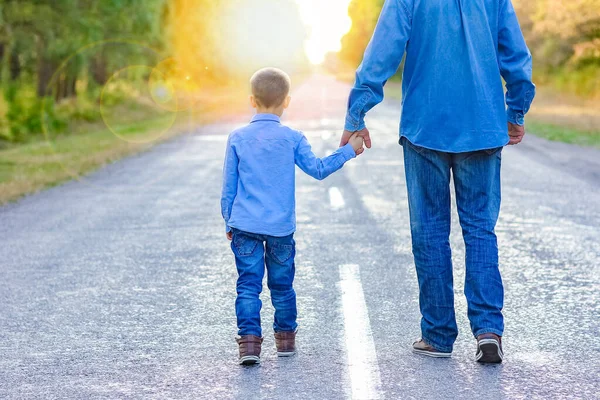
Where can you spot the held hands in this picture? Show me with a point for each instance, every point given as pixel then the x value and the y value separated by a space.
pixel 362 137
pixel 516 133
pixel 357 143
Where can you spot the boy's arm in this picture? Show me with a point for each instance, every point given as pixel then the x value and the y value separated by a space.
pixel 230 182
pixel 381 60
pixel 321 168
pixel 515 64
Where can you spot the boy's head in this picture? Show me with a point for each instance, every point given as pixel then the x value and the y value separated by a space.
pixel 270 90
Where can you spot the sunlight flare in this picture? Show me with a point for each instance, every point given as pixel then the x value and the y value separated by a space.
pixel 328 22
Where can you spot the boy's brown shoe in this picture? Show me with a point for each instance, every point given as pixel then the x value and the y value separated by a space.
pixel 250 347
pixel 286 343
pixel 489 349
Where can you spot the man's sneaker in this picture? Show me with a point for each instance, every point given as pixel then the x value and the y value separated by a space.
pixel 286 343
pixel 422 347
pixel 250 347
pixel 489 349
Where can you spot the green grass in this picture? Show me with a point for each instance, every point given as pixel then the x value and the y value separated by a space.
pixel 86 145
pixel 40 164
pixel 564 134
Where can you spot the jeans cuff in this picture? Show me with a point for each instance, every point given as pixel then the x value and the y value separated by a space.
pixel 254 333
pixel 481 331
pixel 277 330
pixel 437 346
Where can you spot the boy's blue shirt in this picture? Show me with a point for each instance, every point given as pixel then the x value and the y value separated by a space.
pixel 456 53
pixel 259 179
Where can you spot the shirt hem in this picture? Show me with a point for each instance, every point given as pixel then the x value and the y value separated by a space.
pixel 454 151
pixel 264 232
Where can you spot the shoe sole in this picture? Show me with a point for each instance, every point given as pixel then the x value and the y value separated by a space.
pixel 285 353
pixel 434 354
pixel 489 352
pixel 249 360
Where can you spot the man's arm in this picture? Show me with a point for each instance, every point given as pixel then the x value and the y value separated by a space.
pixel 321 168
pixel 230 183
pixel 515 65
pixel 381 61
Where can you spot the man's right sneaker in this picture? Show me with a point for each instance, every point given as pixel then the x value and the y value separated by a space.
pixel 424 348
pixel 250 347
pixel 286 343
pixel 489 349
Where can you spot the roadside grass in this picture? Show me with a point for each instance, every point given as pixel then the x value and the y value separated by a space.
pixel 565 134
pixel 30 167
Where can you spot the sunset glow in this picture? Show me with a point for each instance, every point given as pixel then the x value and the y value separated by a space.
pixel 328 22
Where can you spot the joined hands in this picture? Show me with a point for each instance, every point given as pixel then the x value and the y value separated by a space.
pixel 357 140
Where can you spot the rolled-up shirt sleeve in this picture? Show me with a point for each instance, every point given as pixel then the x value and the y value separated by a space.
pixel 515 64
pixel 380 62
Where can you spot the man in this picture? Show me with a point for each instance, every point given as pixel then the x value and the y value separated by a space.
pixel 454 119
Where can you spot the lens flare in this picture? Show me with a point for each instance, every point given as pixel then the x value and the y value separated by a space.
pixel 169 81
pixel 158 93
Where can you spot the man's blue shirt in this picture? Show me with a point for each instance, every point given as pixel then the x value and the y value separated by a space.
pixel 259 178
pixel 457 51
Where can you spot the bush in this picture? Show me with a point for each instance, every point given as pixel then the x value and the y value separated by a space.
pixel 25 113
pixel 78 110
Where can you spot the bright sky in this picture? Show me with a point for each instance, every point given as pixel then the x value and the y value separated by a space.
pixel 328 22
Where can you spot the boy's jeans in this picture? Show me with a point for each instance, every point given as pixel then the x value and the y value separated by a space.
pixel 477 184
pixel 252 252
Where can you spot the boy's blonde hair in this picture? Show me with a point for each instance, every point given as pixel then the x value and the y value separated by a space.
pixel 270 87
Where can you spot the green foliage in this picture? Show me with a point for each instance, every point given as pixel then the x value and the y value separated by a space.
pixel 25 115
pixel 77 111
pixel 364 15
pixel 564 38
pixel 46 61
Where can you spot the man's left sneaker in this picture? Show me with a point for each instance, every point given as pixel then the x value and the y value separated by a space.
pixel 489 349
pixel 424 348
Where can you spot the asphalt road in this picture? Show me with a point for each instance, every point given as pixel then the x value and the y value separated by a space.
pixel 122 284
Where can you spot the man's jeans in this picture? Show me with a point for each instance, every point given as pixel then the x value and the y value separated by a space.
pixel 252 252
pixel 477 184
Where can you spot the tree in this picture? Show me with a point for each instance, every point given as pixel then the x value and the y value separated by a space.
pixel 364 15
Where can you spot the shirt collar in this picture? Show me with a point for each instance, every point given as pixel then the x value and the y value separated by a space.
pixel 265 117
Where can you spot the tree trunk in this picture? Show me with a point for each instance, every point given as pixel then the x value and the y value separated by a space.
pixel 64 83
pixel 59 84
pixel 72 85
pixel 2 51
pixel 45 71
pixel 98 69
pixel 14 64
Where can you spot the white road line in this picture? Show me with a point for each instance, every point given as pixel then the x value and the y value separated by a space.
pixel 335 198
pixel 362 358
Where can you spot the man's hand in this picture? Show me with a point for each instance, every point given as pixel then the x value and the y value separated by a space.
pixel 364 134
pixel 357 143
pixel 230 235
pixel 516 133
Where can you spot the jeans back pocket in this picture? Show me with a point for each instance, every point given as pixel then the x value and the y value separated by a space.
pixel 282 252
pixel 243 244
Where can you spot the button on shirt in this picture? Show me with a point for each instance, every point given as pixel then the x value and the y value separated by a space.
pixel 259 175
pixel 456 53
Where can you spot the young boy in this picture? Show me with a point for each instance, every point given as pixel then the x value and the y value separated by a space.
pixel 258 205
